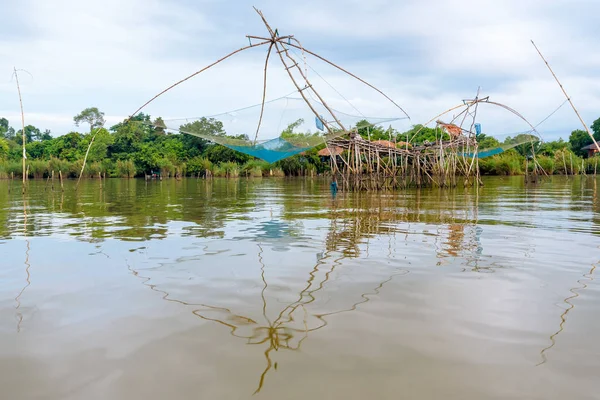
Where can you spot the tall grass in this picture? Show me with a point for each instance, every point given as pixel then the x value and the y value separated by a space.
pixel 125 169
pixel 547 163
pixel 508 163
pixel 227 169
pixel 255 168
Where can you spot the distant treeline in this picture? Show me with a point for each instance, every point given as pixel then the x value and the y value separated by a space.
pixel 139 147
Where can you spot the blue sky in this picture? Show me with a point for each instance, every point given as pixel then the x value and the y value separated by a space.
pixel 427 55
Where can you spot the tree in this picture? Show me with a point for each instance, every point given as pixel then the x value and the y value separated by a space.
pixel 195 145
pixel 91 116
pixel 419 134
pixel 31 133
pixel 3 127
pixel 549 148
pixel 596 129
pixel 368 130
pixel 3 148
pixel 579 139
pixel 47 135
pixel 102 141
pixel 10 134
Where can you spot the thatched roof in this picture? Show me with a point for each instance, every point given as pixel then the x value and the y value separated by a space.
pixel 385 143
pixel 590 147
pixel 326 152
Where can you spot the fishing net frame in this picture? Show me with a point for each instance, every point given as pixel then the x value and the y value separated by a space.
pixel 281 45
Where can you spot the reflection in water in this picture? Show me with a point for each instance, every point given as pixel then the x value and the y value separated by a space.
pixel 27 266
pixel 291 326
pixel 563 317
pixel 261 283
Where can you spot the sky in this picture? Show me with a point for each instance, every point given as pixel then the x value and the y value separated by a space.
pixel 427 55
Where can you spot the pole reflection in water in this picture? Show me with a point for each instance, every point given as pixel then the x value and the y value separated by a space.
pixel 19 315
pixel 291 324
pixel 589 276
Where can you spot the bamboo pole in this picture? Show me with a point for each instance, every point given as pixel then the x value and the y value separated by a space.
pixel 565 163
pixel 262 105
pixel 52 181
pixel 198 72
pixel 23 127
pixel 349 73
pixel 567 96
pixel 571 158
pixel 62 187
pixel 86 156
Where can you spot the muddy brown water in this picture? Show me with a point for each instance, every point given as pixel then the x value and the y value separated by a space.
pixel 275 289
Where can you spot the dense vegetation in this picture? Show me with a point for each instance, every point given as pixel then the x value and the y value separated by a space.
pixel 140 147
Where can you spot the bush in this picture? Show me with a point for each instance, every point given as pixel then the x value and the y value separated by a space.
pixel 507 163
pixel 229 169
pixel 38 169
pixel 255 168
pixel 125 169
pixel 200 166
pixel 547 164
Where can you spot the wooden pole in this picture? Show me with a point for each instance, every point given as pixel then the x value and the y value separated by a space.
pixel 52 180
pixel 86 156
pixel 343 70
pixel 567 96
pixel 565 163
pixel 262 106
pixel 571 158
pixel 23 127
pixel 198 72
pixel 62 188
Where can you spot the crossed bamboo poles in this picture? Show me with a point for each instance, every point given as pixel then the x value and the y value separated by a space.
pixel 282 45
pixel 278 333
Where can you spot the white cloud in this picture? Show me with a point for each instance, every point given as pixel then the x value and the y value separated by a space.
pixel 428 55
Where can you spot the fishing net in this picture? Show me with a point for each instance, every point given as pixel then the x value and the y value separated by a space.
pixel 288 126
pixel 508 143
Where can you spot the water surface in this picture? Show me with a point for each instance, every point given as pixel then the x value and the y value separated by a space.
pixel 273 288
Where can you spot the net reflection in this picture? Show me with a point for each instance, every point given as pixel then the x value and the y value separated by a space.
pixel 285 327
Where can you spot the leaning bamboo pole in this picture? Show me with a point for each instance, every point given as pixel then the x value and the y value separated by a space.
pixel 568 98
pixel 198 72
pixel 23 128
pixel 86 156
pixel 262 106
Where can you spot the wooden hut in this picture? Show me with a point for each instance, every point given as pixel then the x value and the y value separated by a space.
pixel 592 150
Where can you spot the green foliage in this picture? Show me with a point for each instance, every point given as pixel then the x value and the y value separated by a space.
pixel 507 163
pixel 547 163
pixel 255 168
pixel 567 162
pixel 31 133
pixel 91 116
pixel 102 142
pixel 549 148
pixel 3 148
pixel 140 146
pixel 419 134
pixel 219 154
pixel 227 170
pixel 579 139
pixel 596 129
pixel 487 142
pixel 372 132
pixel 3 127
pixel 125 169
pixel 199 166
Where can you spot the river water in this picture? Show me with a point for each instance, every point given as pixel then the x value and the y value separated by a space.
pixel 275 289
